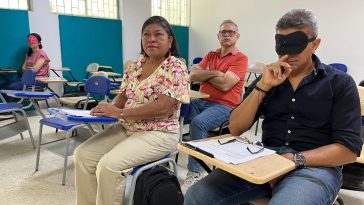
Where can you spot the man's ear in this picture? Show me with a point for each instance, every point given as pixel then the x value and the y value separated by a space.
pixel 315 44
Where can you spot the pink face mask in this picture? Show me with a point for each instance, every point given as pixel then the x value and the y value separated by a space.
pixel 33 40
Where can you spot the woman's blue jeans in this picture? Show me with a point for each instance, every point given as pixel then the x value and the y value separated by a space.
pixel 309 185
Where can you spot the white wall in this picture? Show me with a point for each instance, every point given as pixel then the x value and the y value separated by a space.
pixel 134 14
pixel 339 28
pixel 46 25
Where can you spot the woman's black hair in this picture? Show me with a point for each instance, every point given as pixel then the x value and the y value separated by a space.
pixel 174 50
pixel 30 51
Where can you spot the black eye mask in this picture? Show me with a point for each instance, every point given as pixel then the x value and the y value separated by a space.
pixel 292 43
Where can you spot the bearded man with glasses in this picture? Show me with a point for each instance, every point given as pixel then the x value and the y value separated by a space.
pixel 221 73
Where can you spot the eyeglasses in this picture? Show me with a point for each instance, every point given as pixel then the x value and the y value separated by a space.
pixel 256 147
pixel 227 32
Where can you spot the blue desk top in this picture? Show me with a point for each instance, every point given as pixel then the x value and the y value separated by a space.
pixel 28 94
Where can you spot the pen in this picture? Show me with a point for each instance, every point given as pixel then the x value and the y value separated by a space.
pixel 198 150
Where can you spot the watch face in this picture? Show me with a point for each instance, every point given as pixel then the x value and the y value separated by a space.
pixel 299 160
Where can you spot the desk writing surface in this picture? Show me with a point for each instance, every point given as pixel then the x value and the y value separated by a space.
pixel 8 70
pixel 258 171
pixel 51 79
pixel 61 69
pixel 109 74
pixel 196 94
pixel 113 74
pixel 105 66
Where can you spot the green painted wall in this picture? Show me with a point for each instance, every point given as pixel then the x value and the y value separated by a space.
pixel 14 26
pixel 182 35
pixel 90 40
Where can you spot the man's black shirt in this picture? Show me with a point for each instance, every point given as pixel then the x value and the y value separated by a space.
pixel 324 109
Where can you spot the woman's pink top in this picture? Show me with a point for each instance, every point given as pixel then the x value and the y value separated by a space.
pixel 32 59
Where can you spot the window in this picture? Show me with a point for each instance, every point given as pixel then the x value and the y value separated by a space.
pixel 177 12
pixel 15 4
pixel 92 8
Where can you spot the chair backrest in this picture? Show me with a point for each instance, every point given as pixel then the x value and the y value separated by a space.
pixel 340 67
pixel 28 77
pixel 197 60
pixel 98 85
pixel 92 67
pixel 100 73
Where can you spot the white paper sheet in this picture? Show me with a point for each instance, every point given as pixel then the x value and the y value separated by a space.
pixel 80 113
pixel 234 152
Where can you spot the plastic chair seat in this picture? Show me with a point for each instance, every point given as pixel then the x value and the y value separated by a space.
pixel 58 123
pixel 7 107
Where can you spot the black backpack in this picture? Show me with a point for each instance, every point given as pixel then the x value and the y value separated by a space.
pixel 158 186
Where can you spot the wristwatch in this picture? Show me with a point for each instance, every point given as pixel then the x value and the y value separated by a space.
pixel 299 160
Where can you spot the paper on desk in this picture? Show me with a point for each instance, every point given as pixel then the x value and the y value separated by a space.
pixel 79 113
pixel 234 153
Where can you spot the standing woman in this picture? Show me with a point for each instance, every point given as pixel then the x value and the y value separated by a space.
pixel 147 106
pixel 35 59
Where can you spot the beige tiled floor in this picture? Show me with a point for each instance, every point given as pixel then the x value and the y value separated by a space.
pixel 21 185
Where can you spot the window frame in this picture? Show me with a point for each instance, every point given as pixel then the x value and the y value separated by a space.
pixel 28 3
pixel 166 13
pixel 87 14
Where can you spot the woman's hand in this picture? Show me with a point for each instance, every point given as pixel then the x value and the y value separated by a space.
pixel 107 110
pixel 274 75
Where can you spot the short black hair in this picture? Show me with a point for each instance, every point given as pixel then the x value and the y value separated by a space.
pixel 174 50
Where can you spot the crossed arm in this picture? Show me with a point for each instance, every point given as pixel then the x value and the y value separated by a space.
pixel 38 64
pixel 221 81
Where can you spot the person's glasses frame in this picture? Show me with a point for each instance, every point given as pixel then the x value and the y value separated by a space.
pixel 227 32
pixel 258 146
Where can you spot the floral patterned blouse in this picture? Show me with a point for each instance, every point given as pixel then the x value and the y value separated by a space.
pixel 170 78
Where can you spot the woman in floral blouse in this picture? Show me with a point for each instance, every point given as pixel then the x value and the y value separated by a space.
pixel 147 106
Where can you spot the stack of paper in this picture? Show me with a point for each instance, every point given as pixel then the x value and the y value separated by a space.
pixel 235 152
pixel 78 113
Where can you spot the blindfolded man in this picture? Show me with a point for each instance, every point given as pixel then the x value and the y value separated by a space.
pixel 311 116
